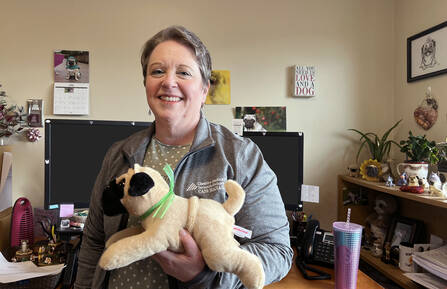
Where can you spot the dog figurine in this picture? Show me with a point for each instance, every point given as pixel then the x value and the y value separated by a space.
pixel 413 181
pixel 436 187
pixel 251 124
pixel 73 70
pixel 141 190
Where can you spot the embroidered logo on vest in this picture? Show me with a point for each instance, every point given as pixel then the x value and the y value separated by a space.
pixel 207 187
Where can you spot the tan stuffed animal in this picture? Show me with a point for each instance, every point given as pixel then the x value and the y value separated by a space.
pixel 142 191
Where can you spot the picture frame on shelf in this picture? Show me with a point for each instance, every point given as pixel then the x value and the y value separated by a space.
pixel 427 53
pixel 401 229
pixel 404 229
pixel 354 196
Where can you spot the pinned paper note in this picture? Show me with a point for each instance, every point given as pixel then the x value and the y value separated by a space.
pixel 310 193
pixel 66 210
pixel 238 126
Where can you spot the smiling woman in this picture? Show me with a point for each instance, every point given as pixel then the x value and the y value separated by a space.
pixel 176 69
pixel 175 92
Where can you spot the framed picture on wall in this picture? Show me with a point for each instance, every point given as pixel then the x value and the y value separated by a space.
pixel 427 53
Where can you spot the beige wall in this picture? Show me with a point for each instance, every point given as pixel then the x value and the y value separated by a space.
pixel 350 42
pixel 412 17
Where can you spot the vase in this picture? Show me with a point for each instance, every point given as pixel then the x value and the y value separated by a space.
pixel 419 169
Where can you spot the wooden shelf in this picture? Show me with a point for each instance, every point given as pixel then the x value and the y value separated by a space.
pixel 390 271
pixel 421 198
pixel 422 207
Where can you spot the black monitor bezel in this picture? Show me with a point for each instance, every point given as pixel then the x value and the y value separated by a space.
pixel 48 136
pixel 300 135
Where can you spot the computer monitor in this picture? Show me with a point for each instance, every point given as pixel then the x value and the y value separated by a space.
pixel 283 152
pixel 74 151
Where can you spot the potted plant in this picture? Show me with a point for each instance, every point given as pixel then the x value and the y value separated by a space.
pixel 379 148
pixel 420 152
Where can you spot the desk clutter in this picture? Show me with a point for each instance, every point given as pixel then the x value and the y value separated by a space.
pixel 39 252
pixel 35 266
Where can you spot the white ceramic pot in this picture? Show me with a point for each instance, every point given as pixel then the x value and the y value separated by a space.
pixel 419 169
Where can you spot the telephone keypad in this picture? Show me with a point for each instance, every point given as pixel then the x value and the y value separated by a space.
pixel 324 252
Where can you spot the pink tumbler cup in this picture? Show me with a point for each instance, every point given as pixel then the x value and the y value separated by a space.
pixel 348 239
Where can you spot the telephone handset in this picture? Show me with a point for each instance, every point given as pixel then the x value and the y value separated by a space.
pixel 318 245
pixel 308 239
pixel 317 248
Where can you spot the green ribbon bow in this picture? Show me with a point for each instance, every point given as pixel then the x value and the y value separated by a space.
pixel 167 199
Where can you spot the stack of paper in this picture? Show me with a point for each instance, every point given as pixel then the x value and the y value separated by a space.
pixel 11 272
pixel 434 261
pixel 427 280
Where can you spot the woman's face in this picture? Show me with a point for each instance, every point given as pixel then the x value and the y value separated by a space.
pixel 174 87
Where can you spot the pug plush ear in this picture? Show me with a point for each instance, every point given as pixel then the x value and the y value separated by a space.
pixel 111 198
pixel 140 184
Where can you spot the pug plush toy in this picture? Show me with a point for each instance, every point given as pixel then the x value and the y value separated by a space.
pixel 143 192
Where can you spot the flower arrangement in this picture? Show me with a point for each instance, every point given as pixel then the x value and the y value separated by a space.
pixel 12 118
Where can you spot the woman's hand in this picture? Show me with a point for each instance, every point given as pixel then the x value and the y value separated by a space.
pixel 182 266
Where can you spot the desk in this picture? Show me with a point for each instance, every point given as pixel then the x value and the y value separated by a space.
pixel 295 280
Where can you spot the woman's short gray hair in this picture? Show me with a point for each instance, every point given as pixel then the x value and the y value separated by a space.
pixel 183 36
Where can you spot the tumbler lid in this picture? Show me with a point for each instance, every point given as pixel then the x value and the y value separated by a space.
pixel 346 227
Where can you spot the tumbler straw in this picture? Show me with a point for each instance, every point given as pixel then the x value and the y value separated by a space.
pixel 348 217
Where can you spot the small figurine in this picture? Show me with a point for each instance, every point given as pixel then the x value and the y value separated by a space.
pixel 25 253
pixel 386 258
pixel 41 253
pixel 423 182
pixel 389 182
pixel 47 260
pixel 353 170
pixel 402 181
pixel 377 249
pixel 435 180
pixel 436 188
pixel 413 181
